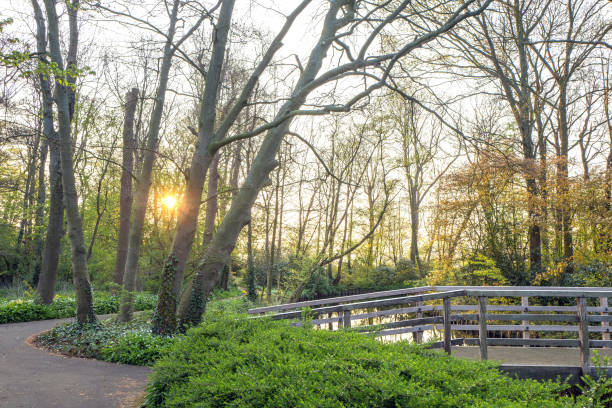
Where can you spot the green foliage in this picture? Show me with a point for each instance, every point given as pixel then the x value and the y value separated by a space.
pixel 479 270
pixel 319 286
pixel 218 293
pixel 239 362
pixel 25 310
pixel 406 270
pixel 595 273
pixel 137 348
pixel 127 343
pixel 597 392
pixel 251 283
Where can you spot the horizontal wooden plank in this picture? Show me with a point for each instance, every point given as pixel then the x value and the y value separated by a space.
pixel 392 312
pixel 516 308
pixel 393 332
pixel 575 288
pixel 600 343
pixel 493 341
pixel 581 292
pixel 533 328
pixel 340 299
pixel 534 342
pixel 530 317
pixel 533 317
pixel 494 327
pixel 369 304
pixel 599 318
pixel 440 344
pixel 402 323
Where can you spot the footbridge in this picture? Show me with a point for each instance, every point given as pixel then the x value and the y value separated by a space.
pixel 534 332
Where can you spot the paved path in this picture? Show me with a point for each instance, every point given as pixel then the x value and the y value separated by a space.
pixel 32 378
pixel 544 356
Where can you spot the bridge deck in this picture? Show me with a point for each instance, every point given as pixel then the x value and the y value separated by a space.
pixel 540 356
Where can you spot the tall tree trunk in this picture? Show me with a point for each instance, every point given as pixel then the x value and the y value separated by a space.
pixel 143 184
pixel 273 259
pixel 174 267
pixel 55 224
pixel 211 201
pixel 414 229
pixel 40 206
pixel 568 248
pixel 126 195
pixel 82 287
pixel 279 246
pixel 28 192
pixel 48 135
pixel 239 214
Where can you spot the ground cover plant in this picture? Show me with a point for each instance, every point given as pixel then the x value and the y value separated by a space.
pixel 63 306
pixel 232 361
pixel 128 343
pixel 108 340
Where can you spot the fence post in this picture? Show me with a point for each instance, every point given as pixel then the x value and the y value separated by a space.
pixel 583 335
pixel 418 336
pixel 604 303
pixel 525 304
pixel 482 327
pixel 447 324
pixel 346 319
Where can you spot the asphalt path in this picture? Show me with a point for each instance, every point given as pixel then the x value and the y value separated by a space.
pixel 33 378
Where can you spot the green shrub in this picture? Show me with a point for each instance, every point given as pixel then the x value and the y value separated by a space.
pixel 109 340
pixel 136 348
pixel 21 310
pixel 237 362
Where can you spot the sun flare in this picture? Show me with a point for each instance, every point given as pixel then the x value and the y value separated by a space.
pixel 169 201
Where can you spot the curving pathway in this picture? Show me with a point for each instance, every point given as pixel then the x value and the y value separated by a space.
pixel 32 378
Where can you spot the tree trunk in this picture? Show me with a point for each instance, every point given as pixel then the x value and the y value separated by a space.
pixel 174 269
pixel 40 207
pixel 55 224
pixel 143 185
pixel 82 287
pixel 568 248
pixel 126 195
pixel 211 201
pixel 239 214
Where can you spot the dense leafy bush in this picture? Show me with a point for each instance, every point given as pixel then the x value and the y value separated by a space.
pixel 65 306
pixel 237 362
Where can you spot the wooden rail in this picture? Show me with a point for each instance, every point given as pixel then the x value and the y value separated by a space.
pixel 422 309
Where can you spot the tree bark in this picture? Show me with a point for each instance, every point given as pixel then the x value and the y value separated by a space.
pixel 82 287
pixel 239 214
pixel 164 321
pixel 143 184
pixel 40 207
pixel 126 195
pixel 211 201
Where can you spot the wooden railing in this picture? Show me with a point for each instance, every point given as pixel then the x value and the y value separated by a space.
pixel 417 310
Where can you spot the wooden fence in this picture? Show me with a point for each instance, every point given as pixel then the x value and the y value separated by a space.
pixel 511 311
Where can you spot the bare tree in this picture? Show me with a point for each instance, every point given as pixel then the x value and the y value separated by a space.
pixel 341 14
pixel 143 183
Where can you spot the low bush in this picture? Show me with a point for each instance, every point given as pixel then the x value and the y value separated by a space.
pixel 237 362
pixel 127 343
pixel 63 306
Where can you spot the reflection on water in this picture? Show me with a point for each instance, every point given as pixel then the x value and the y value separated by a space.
pixel 433 334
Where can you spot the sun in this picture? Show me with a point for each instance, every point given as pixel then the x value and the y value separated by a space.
pixel 169 201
